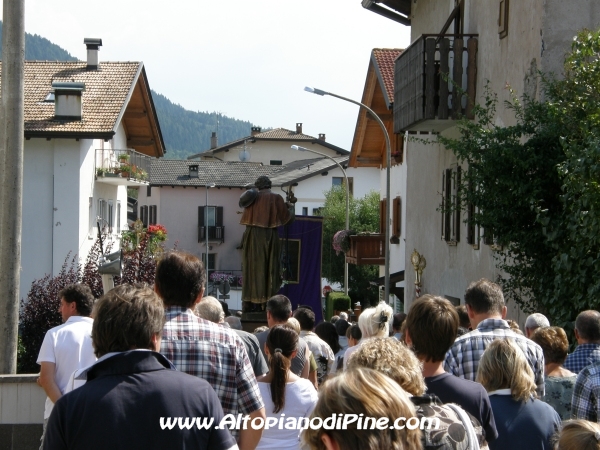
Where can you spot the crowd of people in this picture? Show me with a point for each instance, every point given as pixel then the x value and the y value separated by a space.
pixel 166 367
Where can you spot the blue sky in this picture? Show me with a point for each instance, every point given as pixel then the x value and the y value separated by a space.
pixel 248 59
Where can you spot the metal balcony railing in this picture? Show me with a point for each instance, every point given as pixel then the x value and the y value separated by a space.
pixel 215 234
pixel 434 82
pixel 125 163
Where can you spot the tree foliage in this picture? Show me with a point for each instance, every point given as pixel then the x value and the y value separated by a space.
pixel 39 312
pixel 535 187
pixel 364 217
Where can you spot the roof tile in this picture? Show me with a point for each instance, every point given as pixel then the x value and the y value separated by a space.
pixel 384 58
pixel 106 90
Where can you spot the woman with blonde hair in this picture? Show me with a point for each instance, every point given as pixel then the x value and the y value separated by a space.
pixel 366 394
pixel 373 323
pixel 579 435
pixel 522 421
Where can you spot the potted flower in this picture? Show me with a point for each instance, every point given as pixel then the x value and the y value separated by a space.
pixel 123 158
pixel 341 241
pixel 100 171
pixel 125 170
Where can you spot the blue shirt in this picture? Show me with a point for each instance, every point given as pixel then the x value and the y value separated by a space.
pixel 584 355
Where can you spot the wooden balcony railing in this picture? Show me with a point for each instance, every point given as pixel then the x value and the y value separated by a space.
pixel 366 249
pixel 435 80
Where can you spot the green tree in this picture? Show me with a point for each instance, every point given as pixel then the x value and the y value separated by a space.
pixel 364 217
pixel 535 187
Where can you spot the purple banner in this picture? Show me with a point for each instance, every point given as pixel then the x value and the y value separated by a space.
pixel 301 244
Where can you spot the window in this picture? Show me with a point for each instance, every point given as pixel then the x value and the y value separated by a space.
pixel 451 205
pixel 212 258
pixel 276 162
pixel 339 181
pixel 148 215
pixel 305 211
pixel 102 213
pixel 211 218
pixel 118 217
pixel 317 211
pixel 110 215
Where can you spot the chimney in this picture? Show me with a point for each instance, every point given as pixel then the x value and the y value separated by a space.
pixel 255 130
pixel 193 171
pixel 92 45
pixel 213 140
pixel 322 136
pixel 67 100
pixel 298 128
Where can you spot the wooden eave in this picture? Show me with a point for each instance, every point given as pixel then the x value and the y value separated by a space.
pixel 368 145
pixel 140 121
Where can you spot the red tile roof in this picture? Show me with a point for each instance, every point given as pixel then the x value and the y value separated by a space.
pixel 383 59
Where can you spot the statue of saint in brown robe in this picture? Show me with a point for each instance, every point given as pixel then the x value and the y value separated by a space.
pixel 261 250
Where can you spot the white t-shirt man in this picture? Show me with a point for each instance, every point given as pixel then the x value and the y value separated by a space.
pixel 69 348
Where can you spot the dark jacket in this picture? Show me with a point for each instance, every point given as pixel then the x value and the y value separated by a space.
pixel 123 401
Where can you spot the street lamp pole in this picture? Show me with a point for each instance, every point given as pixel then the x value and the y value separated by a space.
pixel 387 187
pixel 304 149
pixel 208 186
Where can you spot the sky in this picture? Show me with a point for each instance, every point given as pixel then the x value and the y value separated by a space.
pixel 249 60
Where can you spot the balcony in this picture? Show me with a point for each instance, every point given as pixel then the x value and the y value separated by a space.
pixel 366 249
pixel 215 234
pixel 435 80
pixel 122 167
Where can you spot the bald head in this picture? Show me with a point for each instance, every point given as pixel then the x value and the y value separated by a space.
pixel 587 327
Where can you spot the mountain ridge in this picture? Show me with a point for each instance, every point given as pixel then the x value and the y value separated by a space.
pixel 185 132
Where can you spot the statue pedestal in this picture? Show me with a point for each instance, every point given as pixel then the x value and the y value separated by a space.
pixel 253 320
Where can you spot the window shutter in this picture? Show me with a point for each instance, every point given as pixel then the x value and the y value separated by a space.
pixel 144 214
pixel 447 204
pixel 219 217
pixel 443 234
pixel 397 210
pixel 457 218
pixel 153 215
pixel 200 223
pixel 382 206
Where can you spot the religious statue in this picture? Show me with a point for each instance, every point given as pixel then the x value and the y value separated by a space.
pixel 263 212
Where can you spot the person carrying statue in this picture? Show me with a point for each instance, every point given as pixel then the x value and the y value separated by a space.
pixel 264 211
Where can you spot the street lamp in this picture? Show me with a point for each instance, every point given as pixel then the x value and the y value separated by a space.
pixel 208 186
pixel 387 187
pixel 304 149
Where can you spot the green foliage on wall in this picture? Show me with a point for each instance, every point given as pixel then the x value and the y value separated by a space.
pixel 536 187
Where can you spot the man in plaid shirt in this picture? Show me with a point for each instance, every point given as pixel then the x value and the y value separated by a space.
pixel 486 309
pixel 587 333
pixel 585 394
pixel 204 349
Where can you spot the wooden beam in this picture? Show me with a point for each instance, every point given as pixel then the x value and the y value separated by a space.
pixel 140 142
pixel 135 114
pixel 386 116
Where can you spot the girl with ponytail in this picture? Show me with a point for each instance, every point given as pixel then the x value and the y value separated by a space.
pixel 287 397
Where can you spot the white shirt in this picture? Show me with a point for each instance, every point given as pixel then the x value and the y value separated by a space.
pixel 69 347
pixel 300 399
